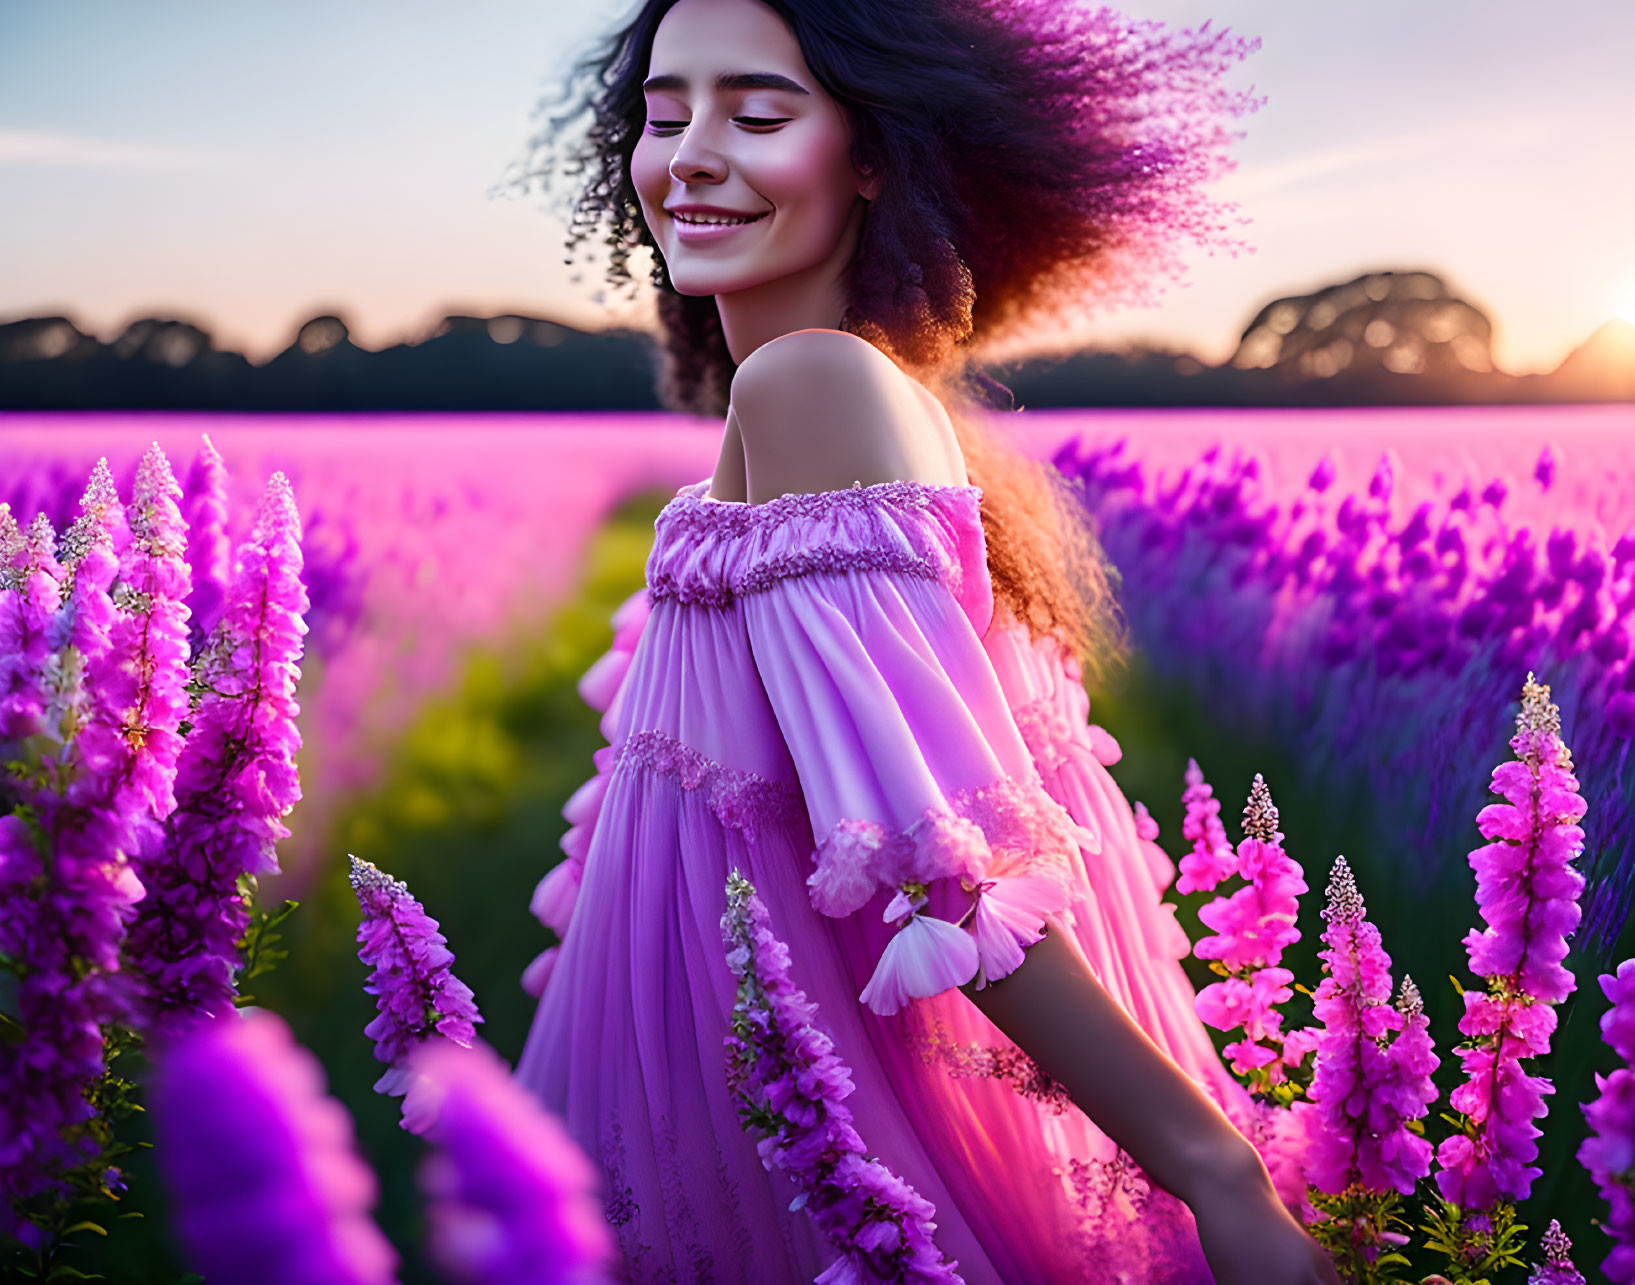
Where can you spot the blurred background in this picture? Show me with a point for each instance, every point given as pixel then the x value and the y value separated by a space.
pixel 308 206
pixel 295 228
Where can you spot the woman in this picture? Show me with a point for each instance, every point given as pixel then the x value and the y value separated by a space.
pixel 859 683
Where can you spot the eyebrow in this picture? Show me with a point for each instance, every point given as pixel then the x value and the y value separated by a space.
pixel 729 81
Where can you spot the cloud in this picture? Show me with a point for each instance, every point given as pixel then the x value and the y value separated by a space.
pixel 35 147
pixel 1408 153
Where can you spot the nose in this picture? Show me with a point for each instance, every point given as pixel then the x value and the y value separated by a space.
pixel 696 163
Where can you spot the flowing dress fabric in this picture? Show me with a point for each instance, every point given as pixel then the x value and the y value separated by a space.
pixel 820 683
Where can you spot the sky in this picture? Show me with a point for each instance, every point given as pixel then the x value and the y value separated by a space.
pixel 247 166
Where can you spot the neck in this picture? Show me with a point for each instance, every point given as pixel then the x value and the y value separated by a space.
pixel 811 299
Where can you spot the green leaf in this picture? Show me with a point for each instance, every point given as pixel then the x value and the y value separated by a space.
pixel 282 913
pixel 87 1225
pixel 1457 985
pixel 63 1272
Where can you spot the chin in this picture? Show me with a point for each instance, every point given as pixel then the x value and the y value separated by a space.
pixel 697 281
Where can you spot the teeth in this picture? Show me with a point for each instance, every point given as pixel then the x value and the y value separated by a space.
pixel 710 219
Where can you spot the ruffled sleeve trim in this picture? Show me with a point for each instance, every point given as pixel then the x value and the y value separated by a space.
pixel 1008 845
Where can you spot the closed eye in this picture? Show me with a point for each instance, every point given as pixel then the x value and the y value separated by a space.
pixel 753 122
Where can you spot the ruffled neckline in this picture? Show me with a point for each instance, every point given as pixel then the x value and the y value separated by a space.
pixel 711 552
pixel 902 493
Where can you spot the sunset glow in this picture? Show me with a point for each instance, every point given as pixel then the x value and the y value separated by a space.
pixel 1384 145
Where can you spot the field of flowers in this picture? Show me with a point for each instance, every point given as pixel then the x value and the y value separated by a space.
pixel 423 535
pixel 226 661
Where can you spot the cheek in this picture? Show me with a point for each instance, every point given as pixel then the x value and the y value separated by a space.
pixel 650 171
pixel 810 174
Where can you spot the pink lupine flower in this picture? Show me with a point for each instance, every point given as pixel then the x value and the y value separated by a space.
pixel 1254 926
pixel 1212 858
pixel 1608 1152
pixel 235 780
pixel 510 1196
pixel 266 1186
pixel 1363 1089
pixel 204 507
pixel 790 1084
pixel 420 998
pixel 1557 1268
pixel 1528 893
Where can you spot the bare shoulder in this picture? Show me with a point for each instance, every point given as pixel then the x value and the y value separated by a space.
pixel 820 409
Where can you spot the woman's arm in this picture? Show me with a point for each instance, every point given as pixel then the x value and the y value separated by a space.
pixel 1056 1011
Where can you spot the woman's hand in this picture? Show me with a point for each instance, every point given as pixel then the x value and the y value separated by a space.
pixel 1249 1238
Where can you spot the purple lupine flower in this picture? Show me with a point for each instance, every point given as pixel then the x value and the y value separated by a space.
pixel 1365 643
pixel 266 1187
pixel 235 780
pixel 420 998
pixel 1544 470
pixel 1363 1090
pixel 1528 893
pixel 1618 1022
pixel 1212 858
pixel 1608 1152
pixel 66 885
pixel 88 555
pixel 135 737
pixel 30 596
pixel 789 1084
pixel 1253 926
pixel 1409 1091
pixel 1557 1267
pixel 204 506
pixel 510 1196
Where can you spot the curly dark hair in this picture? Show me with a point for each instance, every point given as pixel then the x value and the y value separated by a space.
pixel 1039 160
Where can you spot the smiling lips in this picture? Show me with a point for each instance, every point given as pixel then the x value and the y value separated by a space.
pixel 696 224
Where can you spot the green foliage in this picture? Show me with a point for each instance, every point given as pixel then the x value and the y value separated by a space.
pixel 260 944
pixel 1474 1252
pixel 1361 1231
pixel 95 1185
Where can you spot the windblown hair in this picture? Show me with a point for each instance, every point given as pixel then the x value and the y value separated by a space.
pixel 1039 160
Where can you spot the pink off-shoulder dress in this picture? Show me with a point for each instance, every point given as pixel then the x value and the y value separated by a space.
pixel 817 691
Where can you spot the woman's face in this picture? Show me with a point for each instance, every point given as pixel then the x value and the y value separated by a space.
pixel 737 124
